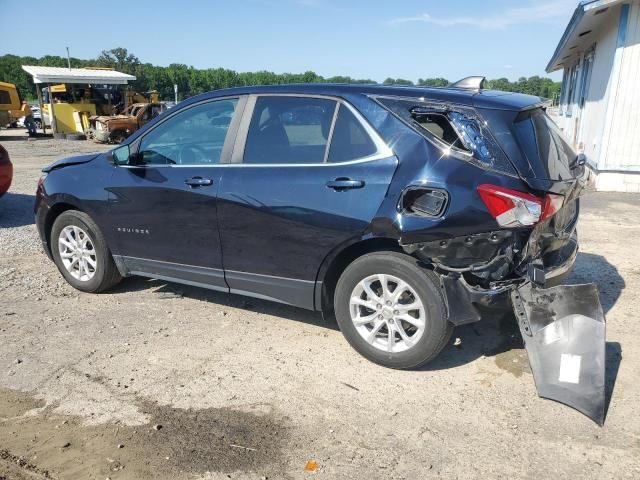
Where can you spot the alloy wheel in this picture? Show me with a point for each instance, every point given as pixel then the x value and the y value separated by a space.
pixel 387 312
pixel 77 253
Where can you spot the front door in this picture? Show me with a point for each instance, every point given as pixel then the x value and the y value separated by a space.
pixel 163 199
pixel 310 178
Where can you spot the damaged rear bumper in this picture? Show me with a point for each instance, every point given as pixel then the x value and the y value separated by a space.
pixel 563 326
pixel 470 292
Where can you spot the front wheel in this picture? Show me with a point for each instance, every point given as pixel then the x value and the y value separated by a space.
pixel 81 254
pixel 391 310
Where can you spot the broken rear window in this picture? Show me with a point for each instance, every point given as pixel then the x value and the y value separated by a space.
pixel 458 131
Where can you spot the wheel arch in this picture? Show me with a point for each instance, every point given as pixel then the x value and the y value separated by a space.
pixel 53 213
pixel 335 263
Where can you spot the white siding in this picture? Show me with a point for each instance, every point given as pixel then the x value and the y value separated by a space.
pixel 592 117
pixel 624 141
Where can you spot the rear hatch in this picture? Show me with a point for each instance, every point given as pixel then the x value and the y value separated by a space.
pixel 546 163
pixel 536 147
pixel 563 327
pixel 546 154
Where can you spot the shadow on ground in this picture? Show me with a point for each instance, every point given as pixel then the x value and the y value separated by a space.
pixel 16 210
pixel 592 268
pixel 496 336
pixel 23 136
pixel 493 336
pixel 168 290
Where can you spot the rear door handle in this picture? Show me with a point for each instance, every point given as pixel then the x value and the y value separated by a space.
pixel 344 184
pixel 198 182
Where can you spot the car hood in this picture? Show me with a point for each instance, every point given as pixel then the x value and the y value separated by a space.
pixel 65 162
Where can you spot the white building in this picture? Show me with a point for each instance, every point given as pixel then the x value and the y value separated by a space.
pixel 599 110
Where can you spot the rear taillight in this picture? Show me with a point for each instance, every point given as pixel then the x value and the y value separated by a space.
pixel 552 203
pixel 513 209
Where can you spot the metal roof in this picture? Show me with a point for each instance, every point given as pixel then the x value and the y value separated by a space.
pixel 478 98
pixel 76 75
pixel 588 15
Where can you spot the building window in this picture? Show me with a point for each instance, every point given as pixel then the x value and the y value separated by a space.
pixel 562 103
pixel 571 90
pixel 587 65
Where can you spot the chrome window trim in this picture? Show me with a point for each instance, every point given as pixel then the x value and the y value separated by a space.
pixel 383 151
pixel 369 158
pixel 332 127
pixel 238 113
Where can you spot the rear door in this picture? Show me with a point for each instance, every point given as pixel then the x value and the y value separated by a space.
pixel 163 199
pixel 307 175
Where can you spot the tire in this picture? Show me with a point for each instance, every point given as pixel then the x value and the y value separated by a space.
pixel 93 279
pixel 38 123
pixel 117 137
pixel 423 286
pixel 75 136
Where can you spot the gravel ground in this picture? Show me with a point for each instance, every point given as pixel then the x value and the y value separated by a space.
pixel 158 380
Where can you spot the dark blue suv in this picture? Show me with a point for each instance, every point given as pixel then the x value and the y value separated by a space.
pixel 404 211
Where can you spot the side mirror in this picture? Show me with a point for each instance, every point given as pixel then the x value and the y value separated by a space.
pixel 121 155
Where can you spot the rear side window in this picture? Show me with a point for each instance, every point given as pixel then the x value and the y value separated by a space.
pixel 457 130
pixel 431 119
pixel 350 140
pixel 289 130
pixel 440 127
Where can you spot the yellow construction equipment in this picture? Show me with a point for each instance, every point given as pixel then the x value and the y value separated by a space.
pixel 10 104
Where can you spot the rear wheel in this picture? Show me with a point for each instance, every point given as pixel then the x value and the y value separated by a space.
pixel 391 310
pixel 81 254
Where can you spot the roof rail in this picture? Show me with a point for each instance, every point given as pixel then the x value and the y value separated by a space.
pixel 470 83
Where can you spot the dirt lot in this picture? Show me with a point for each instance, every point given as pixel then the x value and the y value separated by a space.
pixel 157 380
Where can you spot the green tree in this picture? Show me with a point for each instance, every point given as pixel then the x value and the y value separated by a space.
pixel 192 81
pixel 433 82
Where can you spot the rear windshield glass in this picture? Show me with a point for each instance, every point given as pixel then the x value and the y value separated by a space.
pixel 542 142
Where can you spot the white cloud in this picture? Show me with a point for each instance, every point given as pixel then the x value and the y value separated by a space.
pixel 536 12
pixel 507 66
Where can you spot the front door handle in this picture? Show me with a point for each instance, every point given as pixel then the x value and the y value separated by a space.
pixel 198 182
pixel 342 183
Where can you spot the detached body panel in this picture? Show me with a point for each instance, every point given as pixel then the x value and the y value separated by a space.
pixel 564 333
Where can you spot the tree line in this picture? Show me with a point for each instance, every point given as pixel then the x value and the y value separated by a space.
pixel 192 81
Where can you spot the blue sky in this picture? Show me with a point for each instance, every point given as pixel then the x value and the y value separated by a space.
pixel 364 39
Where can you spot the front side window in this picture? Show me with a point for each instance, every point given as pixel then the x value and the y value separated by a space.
pixel 290 130
pixel 194 136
